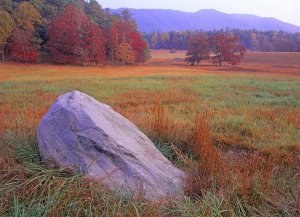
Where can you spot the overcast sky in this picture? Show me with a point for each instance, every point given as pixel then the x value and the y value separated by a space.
pixel 285 10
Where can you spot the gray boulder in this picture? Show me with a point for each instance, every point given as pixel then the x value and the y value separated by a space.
pixel 80 133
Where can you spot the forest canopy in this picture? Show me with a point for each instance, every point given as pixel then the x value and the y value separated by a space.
pixel 265 41
pixel 68 32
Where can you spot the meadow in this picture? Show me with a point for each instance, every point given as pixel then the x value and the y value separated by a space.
pixel 234 129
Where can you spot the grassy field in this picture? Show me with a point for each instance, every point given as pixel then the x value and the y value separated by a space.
pixel 277 59
pixel 235 130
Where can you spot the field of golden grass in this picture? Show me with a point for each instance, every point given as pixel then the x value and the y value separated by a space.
pixel 234 129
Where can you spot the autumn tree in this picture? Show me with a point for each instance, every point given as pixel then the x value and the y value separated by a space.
pixel 265 44
pixel 74 39
pixel 251 39
pixel 281 43
pixel 7 26
pixel 125 31
pixel 254 41
pixel 21 47
pixel 94 42
pixel 197 49
pixel 118 33
pixel 139 45
pixel 125 53
pixel 26 16
pixel 226 48
pixel 71 31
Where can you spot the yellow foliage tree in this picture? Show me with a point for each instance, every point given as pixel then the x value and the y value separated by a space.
pixel 26 16
pixel 7 26
pixel 125 53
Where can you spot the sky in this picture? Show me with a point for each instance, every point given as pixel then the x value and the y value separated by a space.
pixel 285 10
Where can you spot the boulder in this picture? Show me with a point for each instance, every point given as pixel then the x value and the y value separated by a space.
pixel 80 133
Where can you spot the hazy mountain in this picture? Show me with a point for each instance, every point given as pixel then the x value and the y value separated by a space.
pixel 165 20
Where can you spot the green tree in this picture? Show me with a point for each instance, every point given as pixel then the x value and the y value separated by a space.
pixel 26 16
pixel 7 26
pixel 6 5
pixel 127 17
pixel 49 11
pixel 38 4
pixel 97 14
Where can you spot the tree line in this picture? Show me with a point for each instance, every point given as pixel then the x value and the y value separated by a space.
pixel 217 48
pixel 68 32
pixel 253 40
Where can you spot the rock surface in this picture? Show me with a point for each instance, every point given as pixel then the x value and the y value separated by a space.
pixel 94 140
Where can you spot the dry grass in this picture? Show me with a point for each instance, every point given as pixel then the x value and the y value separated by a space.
pixel 280 59
pixel 274 63
pixel 235 130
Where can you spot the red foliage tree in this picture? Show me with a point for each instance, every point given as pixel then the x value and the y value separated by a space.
pixel 113 41
pixel 226 48
pixel 124 31
pixel 21 47
pixel 94 42
pixel 198 49
pixel 74 39
pixel 138 45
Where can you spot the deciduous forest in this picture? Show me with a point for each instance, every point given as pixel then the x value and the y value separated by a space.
pixel 266 41
pixel 68 32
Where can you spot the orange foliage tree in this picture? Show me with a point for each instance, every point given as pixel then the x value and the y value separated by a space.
pixel 125 31
pixel 7 26
pixel 26 16
pixel 125 53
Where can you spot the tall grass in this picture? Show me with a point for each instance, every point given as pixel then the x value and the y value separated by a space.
pixel 241 157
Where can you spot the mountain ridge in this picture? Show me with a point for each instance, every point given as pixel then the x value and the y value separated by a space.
pixel 149 20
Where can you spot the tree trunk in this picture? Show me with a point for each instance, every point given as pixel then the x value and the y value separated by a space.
pixel 3 50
